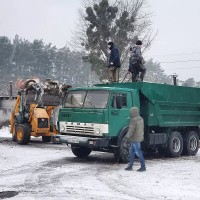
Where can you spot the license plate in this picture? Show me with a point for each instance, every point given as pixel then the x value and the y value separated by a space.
pixel 73 140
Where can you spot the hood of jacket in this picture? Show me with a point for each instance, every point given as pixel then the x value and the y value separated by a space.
pixel 134 112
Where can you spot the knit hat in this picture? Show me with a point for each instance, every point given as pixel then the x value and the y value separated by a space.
pixel 110 43
pixel 139 42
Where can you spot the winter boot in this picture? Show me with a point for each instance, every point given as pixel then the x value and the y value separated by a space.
pixel 142 169
pixel 129 168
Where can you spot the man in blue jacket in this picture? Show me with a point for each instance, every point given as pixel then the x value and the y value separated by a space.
pixel 114 62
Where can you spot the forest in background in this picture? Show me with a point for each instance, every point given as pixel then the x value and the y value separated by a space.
pixel 84 62
pixel 22 59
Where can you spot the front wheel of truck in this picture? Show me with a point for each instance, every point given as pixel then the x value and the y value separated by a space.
pixel 122 153
pixel 175 144
pixel 81 152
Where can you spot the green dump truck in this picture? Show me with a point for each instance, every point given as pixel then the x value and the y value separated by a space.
pixel 96 118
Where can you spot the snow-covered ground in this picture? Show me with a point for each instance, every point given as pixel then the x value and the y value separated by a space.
pixel 48 171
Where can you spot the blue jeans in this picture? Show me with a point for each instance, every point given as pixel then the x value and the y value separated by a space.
pixel 136 149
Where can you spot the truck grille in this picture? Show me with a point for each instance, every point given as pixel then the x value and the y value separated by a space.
pixel 80 129
pixel 43 123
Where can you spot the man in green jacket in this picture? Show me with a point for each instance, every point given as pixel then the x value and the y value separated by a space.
pixel 135 136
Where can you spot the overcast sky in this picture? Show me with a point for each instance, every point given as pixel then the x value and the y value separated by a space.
pixel 177 23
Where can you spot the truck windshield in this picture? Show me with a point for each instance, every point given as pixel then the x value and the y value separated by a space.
pixel 87 99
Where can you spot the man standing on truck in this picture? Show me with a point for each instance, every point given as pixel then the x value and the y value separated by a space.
pixel 135 136
pixel 136 63
pixel 114 63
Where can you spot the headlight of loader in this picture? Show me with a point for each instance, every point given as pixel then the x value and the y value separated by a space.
pixel 62 128
pixel 97 131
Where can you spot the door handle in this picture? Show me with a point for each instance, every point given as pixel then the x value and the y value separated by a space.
pixel 114 112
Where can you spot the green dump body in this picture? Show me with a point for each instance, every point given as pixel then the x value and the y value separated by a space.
pixel 166 105
pixel 171 117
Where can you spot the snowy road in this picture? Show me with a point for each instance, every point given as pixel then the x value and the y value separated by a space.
pixel 46 171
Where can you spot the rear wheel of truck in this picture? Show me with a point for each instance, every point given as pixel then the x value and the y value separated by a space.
pixel 81 152
pixel 46 138
pixel 175 144
pixel 23 134
pixel 122 153
pixel 191 143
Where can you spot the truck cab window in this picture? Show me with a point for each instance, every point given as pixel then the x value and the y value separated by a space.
pixel 123 99
pixel 96 99
pixel 87 99
pixel 75 99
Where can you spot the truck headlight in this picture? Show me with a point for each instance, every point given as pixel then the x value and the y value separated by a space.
pixel 97 131
pixel 62 128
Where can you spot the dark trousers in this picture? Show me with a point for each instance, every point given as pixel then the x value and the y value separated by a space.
pixel 138 72
pixel 138 75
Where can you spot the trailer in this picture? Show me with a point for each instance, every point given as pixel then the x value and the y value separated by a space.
pixel 97 118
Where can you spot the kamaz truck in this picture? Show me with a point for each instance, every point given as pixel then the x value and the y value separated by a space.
pixel 97 118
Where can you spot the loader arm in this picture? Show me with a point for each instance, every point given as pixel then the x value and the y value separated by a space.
pixel 14 112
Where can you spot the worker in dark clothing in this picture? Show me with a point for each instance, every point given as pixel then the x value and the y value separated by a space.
pixel 136 63
pixel 114 62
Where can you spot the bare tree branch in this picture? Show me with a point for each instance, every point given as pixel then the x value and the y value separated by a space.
pixel 122 22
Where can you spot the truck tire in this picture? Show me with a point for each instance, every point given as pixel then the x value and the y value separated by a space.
pixel 175 144
pixel 46 138
pixel 121 154
pixel 23 134
pixel 191 143
pixel 81 152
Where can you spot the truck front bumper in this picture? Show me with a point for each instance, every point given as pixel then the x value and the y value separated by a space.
pixel 82 141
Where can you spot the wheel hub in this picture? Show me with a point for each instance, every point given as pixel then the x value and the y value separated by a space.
pixel 176 144
pixel 193 143
pixel 19 135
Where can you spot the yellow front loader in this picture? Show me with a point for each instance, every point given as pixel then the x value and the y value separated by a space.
pixel 34 112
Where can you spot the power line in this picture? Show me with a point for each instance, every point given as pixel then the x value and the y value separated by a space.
pixel 183 68
pixel 180 61
pixel 175 54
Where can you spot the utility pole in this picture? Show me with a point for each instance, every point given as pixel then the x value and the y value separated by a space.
pixel 175 79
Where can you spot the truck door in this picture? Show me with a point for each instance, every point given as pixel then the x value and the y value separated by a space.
pixel 119 117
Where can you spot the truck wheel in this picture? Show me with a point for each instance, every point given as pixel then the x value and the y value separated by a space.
pixel 81 152
pixel 191 143
pixel 22 134
pixel 46 138
pixel 175 144
pixel 122 153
